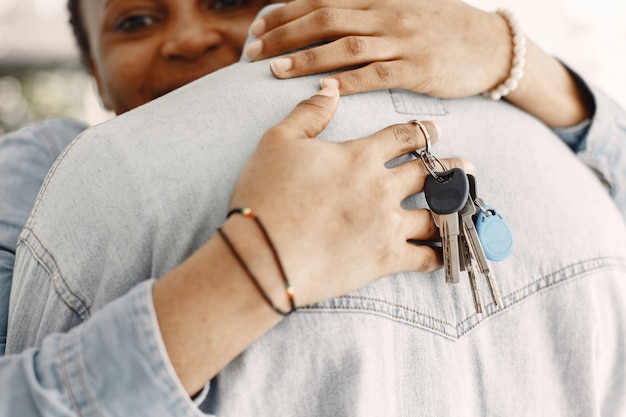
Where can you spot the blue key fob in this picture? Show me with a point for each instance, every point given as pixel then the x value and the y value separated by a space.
pixel 494 233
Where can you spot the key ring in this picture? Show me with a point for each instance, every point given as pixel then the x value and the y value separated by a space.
pixel 482 206
pixel 424 132
pixel 429 160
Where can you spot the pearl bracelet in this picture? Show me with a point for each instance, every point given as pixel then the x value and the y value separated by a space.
pixel 519 57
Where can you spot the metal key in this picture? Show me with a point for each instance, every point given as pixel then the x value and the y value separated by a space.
pixel 467 265
pixel 469 254
pixel 468 262
pixel 446 193
pixel 475 245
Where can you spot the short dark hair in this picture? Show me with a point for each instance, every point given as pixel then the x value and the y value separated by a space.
pixel 78 28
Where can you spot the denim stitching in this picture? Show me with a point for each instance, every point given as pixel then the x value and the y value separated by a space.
pixel 65 347
pixel 90 404
pixel 404 103
pixel 62 289
pixel 548 281
pixel 48 179
pixel 383 314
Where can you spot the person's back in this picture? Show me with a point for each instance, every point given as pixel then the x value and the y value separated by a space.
pixel 25 157
pixel 134 197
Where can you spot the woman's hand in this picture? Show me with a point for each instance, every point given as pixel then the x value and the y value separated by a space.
pixel 334 209
pixel 441 48
pixel 333 212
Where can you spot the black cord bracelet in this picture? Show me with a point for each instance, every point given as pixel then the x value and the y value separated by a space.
pixel 247 212
pixel 254 280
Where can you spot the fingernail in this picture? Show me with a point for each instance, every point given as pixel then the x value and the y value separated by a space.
pixel 281 65
pixel 468 166
pixel 328 92
pixel 329 82
pixel 257 28
pixel 437 129
pixel 253 49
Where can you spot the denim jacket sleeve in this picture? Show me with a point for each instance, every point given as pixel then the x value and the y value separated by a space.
pixel 25 158
pixel 114 364
pixel 600 142
pixel 604 148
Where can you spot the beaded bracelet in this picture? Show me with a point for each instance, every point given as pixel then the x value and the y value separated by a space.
pixel 519 57
pixel 246 212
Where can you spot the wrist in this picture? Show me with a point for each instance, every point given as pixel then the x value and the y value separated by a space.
pixel 253 248
pixel 511 76
pixel 209 312
pixel 549 92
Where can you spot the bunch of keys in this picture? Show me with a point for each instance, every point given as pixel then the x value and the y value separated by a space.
pixel 451 196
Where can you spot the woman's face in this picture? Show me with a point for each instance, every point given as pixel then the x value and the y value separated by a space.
pixel 143 49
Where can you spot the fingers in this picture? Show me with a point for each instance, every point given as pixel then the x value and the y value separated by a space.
pixel 413 245
pixel 377 75
pixel 302 30
pixel 400 139
pixel 412 175
pixel 321 25
pixel 309 117
pixel 320 13
pixel 420 226
pixel 421 258
pixel 278 17
pixel 348 51
pixel 465 164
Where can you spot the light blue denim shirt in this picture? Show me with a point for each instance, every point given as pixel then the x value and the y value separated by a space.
pixel 25 158
pixel 27 155
pixel 71 374
pixel 111 366
pixel 134 205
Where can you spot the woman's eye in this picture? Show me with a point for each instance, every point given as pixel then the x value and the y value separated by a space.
pixel 133 23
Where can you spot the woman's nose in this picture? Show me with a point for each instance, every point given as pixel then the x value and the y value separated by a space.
pixel 190 38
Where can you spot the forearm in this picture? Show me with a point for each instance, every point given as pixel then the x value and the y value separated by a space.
pixel 548 91
pixel 208 308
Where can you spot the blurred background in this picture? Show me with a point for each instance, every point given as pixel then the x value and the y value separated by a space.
pixel 41 76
